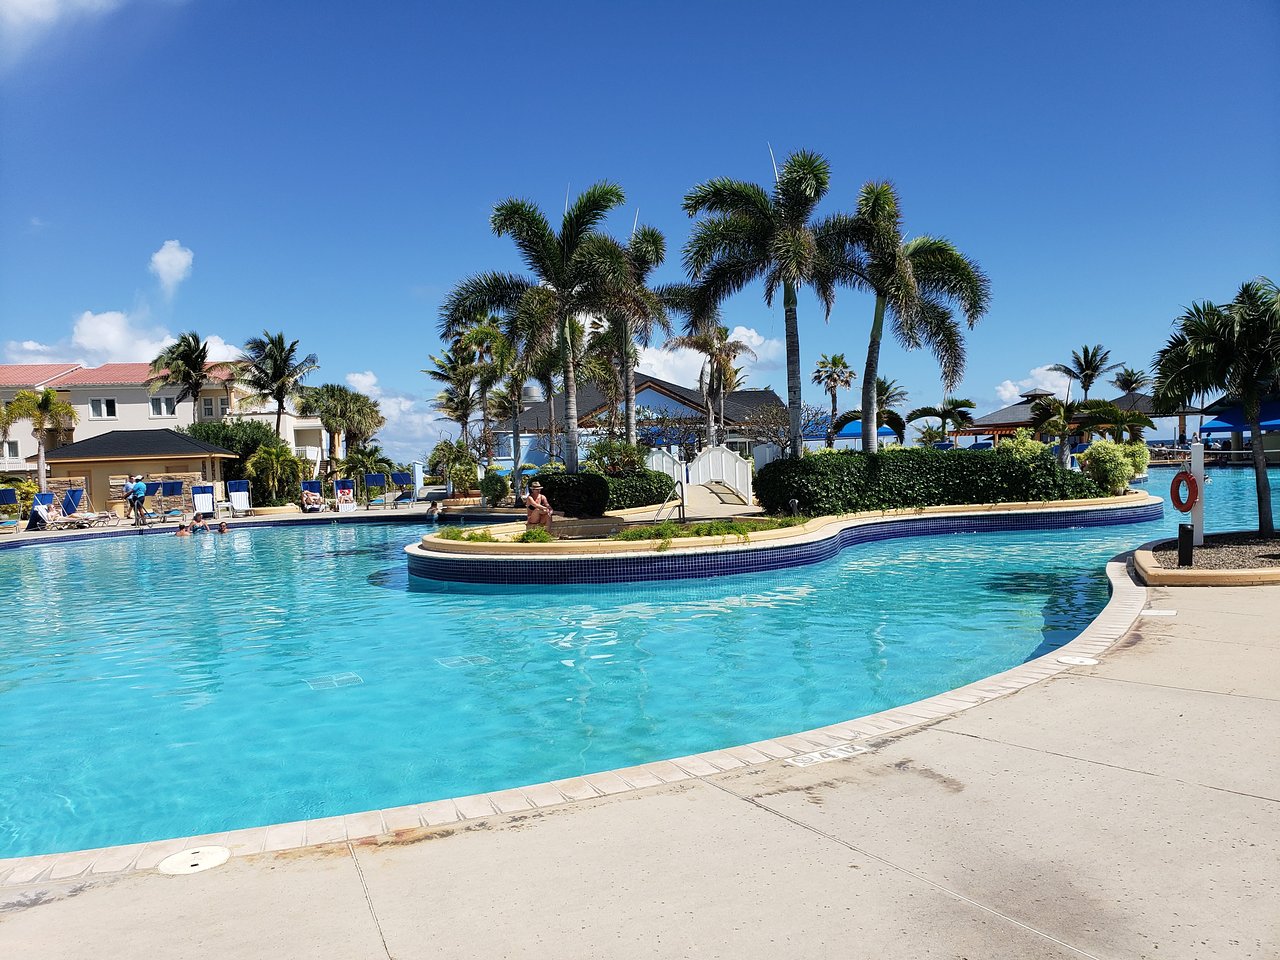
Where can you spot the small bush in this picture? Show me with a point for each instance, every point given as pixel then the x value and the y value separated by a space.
pixel 27 490
pixel 575 494
pixel 612 457
pixel 495 487
pixel 1139 456
pixel 1107 464
pixel 1021 445
pixel 673 529
pixel 898 478
pixel 535 535
pixel 471 536
pixel 640 488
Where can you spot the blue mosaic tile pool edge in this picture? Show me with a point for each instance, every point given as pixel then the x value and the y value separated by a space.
pixel 543 569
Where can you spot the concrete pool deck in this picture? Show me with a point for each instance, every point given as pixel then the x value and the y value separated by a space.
pixel 1128 809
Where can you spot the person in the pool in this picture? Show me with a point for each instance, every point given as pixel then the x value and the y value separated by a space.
pixel 539 508
pixel 182 531
pixel 198 523
pixel 222 526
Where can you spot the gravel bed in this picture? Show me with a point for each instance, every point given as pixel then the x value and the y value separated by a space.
pixel 1225 551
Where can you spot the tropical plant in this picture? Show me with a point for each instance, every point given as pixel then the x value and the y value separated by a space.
pixel 367 459
pixel 615 457
pixel 493 357
pixel 457 400
pixel 1115 422
pixel 771 424
pixel 928 435
pixel 50 417
pixel 345 414
pixel 1108 465
pixel 1138 454
pixel 1021 445
pixel 184 364
pixel 273 372
pixel 1233 347
pixel 495 487
pixel 453 460
pixel 242 437
pixel 1130 380
pixel 952 410
pixel 833 374
pixel 889 396
pixel 1055 417
pixel 748 233
pixel 274 468
pixel 1086 366
pixel 917 283
pixel 718 370
pixel 575 271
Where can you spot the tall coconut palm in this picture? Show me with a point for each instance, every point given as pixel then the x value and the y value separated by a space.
pixel 457 399
pixel 952 410
pixel 889 396
pixel 917 284
pixel 833 374
pixel 1130 380
pixel 1233 347
pixel 718 371
pixel 1086 366
pixel 273 371
pixel 49 415
pixel 184 364
pixel 748 233
pixel 492 357
pixel 573 272
pixel 345 414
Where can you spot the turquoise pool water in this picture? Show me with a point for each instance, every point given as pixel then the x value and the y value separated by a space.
pixel 154 687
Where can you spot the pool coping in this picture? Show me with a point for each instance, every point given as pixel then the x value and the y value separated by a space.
pixel 1153 574
pixel 1128 597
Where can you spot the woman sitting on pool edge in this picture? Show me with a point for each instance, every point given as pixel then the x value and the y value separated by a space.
pixel 539 508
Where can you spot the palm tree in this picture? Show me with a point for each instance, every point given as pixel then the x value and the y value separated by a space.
pixel 344 413
pixel 718 372
pixel 833 374
pixel 367 459
pixel 273 371
pixel 276 468
pixel 952 410
pixel 1061 418
pixel 493 357
pixel 889 396
pixel 1113 421
pixel 1087 365
pixel 574 272
pixel 916 283
pixel 1233 347
pixel 457 400
pixel 184 364
pixel 750 234
pixel 48 415
pixel 928 435
pixel 1131 380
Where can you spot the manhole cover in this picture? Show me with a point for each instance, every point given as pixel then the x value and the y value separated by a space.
pixel 194 860
pixel 1079 661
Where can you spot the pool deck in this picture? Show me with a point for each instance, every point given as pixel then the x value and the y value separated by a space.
pixel 1129 809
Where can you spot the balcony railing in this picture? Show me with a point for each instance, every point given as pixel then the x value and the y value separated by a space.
pixel 15 465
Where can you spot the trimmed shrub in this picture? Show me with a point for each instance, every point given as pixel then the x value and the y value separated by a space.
pixel 534 535
pixel 1139 456
pixel 575 494
pixel 615 457
pixel 642 488
pixel 898 478
pixel 1021 445
pixel 1107 464
pixel 495 487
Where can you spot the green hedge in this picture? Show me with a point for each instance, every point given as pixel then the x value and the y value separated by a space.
pixel 848 482
pixel 575 494
pixel 641 488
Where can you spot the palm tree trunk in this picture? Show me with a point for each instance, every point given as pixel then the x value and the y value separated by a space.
pixel 40 477
pixel 724 432
pixel 515 450
pixel 831 424
pixel 793 366
pixel 279 418
pixel 711 420
pixel 333 452
pixel 629 383
pixel 484 426
pixel 1262 483
pixel 570 403
pixel 870 406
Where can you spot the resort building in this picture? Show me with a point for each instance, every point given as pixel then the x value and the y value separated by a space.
pixel 118 397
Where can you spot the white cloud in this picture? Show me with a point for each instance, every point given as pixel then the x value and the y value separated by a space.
pixel 413 426
pixel 219 349
pixel 171 264
pixel 1040 378
pixel 26 22
pixel 683 366
pixel 112 336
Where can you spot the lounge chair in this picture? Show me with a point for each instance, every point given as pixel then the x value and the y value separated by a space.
pixel 150 514
pixel 9 498
pixel 312 496
pixel 67 514
pixel 238 494
pixel 943 445
pixel 202 504
pixel 378 480
pixel 344 491
pixel 168 490
pixel 406 497
pixel 41 511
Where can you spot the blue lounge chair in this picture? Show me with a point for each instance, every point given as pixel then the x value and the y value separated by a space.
pixel 983 445
pixel 68 511
pixel 8 505
pixel 405 497
pixel 41 511
pixel 344 491
pixel 238 494
pixel 943 445
pixel 316 489
pixel 202 504
pixel 168 490
pixel 149 514
pixel 378 480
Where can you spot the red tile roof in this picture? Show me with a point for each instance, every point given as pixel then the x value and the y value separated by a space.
pixel 32 374
pixel 118 374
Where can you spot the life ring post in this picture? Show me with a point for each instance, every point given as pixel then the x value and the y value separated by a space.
pixel 1197 508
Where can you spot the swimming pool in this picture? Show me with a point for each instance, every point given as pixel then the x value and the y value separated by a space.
pixel 154 687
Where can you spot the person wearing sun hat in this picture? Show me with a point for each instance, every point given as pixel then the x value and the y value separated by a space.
pixel 539 508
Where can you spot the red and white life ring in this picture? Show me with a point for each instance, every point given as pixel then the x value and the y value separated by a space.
pixel 1181 504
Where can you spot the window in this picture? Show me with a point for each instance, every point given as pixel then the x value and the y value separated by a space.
pixel 224 405
pixel 163 406
pixel 11 449
pixel 208 408
pixel 102 408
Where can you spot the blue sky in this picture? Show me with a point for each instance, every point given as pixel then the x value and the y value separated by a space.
pixel 328 168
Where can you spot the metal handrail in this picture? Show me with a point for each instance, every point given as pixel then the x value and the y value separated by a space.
pixel 677 505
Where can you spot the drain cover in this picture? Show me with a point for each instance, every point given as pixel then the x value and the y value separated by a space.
pixel 1079 661
pixel 194 860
